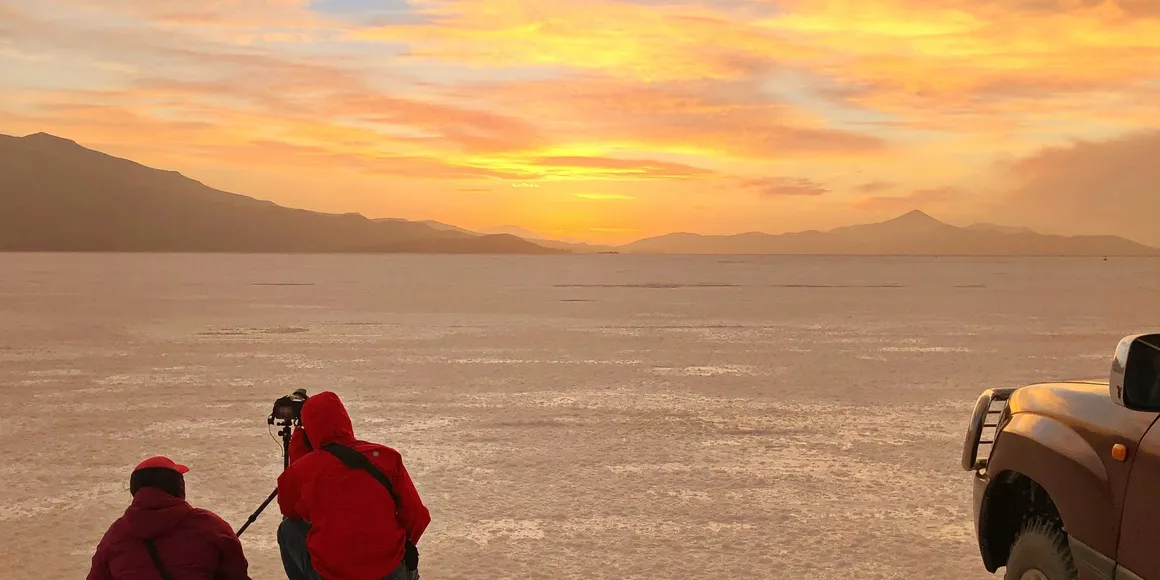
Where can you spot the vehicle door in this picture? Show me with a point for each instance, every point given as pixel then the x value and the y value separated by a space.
pixel 1138 554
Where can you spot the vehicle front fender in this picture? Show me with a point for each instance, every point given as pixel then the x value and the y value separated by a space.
pixel 1061 461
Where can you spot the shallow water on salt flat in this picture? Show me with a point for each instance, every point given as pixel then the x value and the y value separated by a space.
pixel 563 417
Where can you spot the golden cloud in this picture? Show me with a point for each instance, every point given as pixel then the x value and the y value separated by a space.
pixel 920 198
pixel 626 167
pixel 786 186
pixel 953 56
pixel 875 187
pixel 898 54
pixel 605 196
pixel 713 120
pixel 226 14
pixel 622 39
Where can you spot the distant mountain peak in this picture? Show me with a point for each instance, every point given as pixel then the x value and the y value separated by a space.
pixel 48 138
pixel 914 222
pixel 917 216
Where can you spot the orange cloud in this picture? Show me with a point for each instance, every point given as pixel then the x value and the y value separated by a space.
pixel 1090 186
pixel 205 139
pixel 471 129
pixel 220 14
pixel 785 186
pixel 875 187
pixel 733 120
pixel 948 49
pixel 622 39
pixel 403 166
pixel 943 65
pixel 953 57
pixel 605 196
pixel 921 198
pixel 627 167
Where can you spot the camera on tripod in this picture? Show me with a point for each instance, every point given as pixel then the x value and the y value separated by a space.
pixel 286 414
pixel 288 408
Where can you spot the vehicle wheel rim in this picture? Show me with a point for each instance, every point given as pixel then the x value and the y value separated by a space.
pixel 1033 575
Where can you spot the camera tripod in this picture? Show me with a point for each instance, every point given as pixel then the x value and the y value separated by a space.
pixel 287 429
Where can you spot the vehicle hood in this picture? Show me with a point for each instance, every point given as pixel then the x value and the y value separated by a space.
pixel 1086 405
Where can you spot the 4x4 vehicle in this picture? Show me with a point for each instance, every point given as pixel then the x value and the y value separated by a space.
pixel 1067 475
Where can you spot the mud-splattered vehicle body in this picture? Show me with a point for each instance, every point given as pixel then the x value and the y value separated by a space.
pixel 1067 475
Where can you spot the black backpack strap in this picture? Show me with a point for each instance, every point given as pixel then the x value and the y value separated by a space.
pixel 357 460
pixel 149 545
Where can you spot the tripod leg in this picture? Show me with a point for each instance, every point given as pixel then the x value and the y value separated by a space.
pixel 286 432
pixel 254 516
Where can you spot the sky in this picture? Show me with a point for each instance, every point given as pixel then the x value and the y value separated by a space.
pixel 613 120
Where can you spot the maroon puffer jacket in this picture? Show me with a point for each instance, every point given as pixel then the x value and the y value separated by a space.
pixel 192 543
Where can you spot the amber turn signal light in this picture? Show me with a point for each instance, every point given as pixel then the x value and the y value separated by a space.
pixel 1119 452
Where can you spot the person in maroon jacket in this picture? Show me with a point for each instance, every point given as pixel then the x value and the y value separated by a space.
pixel 188 543
pixel 340 522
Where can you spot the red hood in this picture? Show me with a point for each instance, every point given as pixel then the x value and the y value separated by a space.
pixel 326 420
pixel 154 512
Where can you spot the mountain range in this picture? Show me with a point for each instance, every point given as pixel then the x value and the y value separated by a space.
pixel 56 195
pixel 914 233
pixel 525 234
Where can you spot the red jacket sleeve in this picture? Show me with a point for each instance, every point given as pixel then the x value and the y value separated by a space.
pixel 290 492
pixel 412 515
pixel 232 564
pixel 100 566
pixel 298 444
pixel 290 482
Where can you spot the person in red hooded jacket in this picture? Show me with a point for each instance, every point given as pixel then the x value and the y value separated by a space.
pixel 340 522
pixel 189 543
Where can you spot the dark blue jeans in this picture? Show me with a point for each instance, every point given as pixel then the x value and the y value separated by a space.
pixel 296 558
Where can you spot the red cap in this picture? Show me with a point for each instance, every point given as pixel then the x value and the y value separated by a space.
pixel 164 462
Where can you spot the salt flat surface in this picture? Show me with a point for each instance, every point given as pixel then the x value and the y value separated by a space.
pixel 578 417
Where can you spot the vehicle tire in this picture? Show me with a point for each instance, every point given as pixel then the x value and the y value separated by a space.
pixel 1040 552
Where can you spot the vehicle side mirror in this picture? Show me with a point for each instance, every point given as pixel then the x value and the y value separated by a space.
pixel 1135 378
